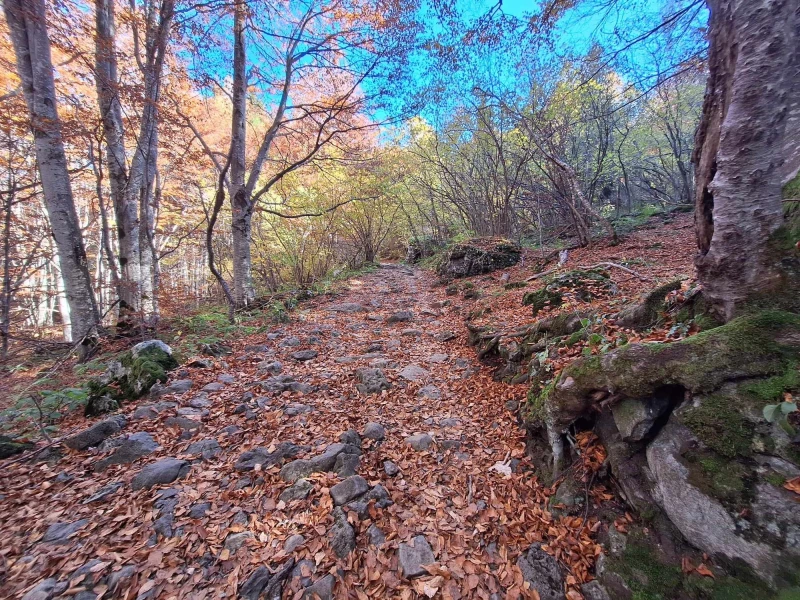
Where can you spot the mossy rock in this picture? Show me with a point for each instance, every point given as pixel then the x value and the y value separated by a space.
pixel 515 285
pixel 131 377
pixel 479 256
pixel 540 299
pixel 10 447
pixel 648 312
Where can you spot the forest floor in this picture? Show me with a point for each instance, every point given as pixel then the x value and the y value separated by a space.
pixel 469 490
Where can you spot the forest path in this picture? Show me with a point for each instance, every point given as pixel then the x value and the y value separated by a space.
pixel 216 499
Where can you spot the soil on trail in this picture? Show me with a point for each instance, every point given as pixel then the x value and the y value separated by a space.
pixel 471 493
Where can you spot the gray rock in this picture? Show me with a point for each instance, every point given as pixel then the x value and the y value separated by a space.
pixel 348 307
pixel 293 542
pixel 303 571
pixel 191 413
pixel 226 378
pixel 349 489
pixel 104 492
pixel 347 465
pixel 200 401
pixel 200 363
pixel 390 468
pixel 430 391
pixel 450 444
pixel 381 497
pixel 414 555
pixel 342 536
pixel 350 437
pixel 234 541
pixel 708 525
pixel 413 372
pixel 371 381
pixel 635 418
pixel 299 491
pixel 594 591
pixel 96 433
pixel 437 358
pixel 46 589
pixel 199 510
pixel 542 572
pixel 420 442
pixel 147 412
pixel 304 355
pixel 208 449
pixel 132 448
pixel 322 589
pixel 512 405
pixel 324 462
pixel 178 386
pixel 272 367
pixel 411 333
pixel 251 589
pixel 117 579
pixel 214 386
pixel 141 347
pixel 445 336
pixel 262 456
pixel 296 408
pixel 291 342
pixel 376 536
pixel 183 423
pixel 165 470
pixel 374 431
pixel 59 533
pixel 400 317
pixel 297 470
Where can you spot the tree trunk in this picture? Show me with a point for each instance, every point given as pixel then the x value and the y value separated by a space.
pixel 241 203
pixel 28 28
pixel 126 209
pixel 739 156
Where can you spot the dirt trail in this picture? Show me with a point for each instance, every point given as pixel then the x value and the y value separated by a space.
pixel 207 534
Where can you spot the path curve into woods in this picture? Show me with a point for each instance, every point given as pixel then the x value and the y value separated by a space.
pixel 205 534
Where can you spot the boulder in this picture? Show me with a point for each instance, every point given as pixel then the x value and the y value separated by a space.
pixel 349 489
pixel 413 372
pixel 165 470
pixel 371 381
pixel 414 555
pixel 342 536
pixel 10 447
pixel 95 434
pixel 132 448
pixel 420 441
pixel 636 418
pixel 374 431
pixel 542 572
pixel 400 317
pixel 479 256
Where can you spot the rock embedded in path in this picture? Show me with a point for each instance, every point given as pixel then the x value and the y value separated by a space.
pixel 542 572
pixel 304 355
pixel 414 555
pixel 348 307
pixel 96 433
pixel 594 591
pixel 104 492
pixel 132 448
pixel 437 358
pixel 411 333
pixel 165 470
pixel 207 449
pixel 430 391
pixel 299 491
pixel 371 381
pixel 322 589
pixel 374 431
pixel 376 536
pixel 293 542
pixel 46 590
pixel 262 456
pixel 444 336
pixel 214 386
pixel 342 536
pixel 390 468
pixel 400 317
pixel 290 342
pixel 347 465
pixel 59 533
pixel 272 367
pixel 420 441
pixel 349 489
pixel 413 372
pixel 350 437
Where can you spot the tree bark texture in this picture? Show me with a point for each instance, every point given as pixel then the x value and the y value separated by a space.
pixel 27 24
pixel 739 152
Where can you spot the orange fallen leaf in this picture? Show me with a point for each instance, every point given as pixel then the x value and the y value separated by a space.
pixel 705 571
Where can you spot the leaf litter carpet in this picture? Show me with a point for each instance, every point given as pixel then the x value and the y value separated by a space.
pixel 470 494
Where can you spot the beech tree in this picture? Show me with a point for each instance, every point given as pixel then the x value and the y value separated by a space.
pixel 28 27
pixel 744 153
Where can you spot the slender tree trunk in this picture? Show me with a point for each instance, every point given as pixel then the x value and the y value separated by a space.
pixel 126 211
pixel 28 28
pixel 739 155
pixel 241 203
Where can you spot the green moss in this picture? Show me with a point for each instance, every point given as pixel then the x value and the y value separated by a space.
pixel 515 285
pixel 537 399
pixel 775 479
pixel 576 337
pixel 791 190
pixel 539 299
pixel 720 426
pixel 646 576
pixel 771 389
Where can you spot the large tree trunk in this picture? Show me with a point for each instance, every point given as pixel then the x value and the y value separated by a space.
pixel 126 209
pixel 739 156
pixel 28 28
pixel 241 202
